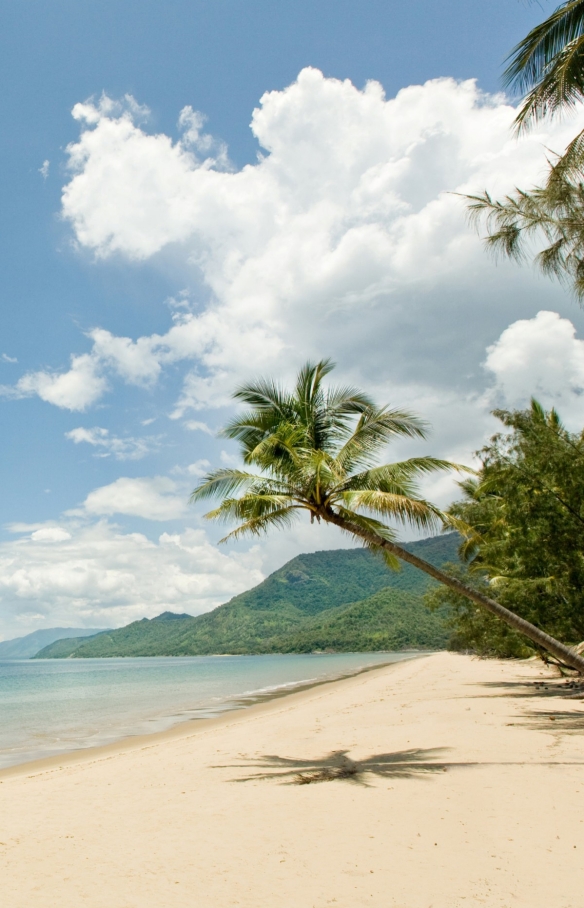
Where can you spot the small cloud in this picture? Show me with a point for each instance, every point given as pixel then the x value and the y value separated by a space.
pixel 152 498
pixel 44 170
pixel 148 422
pixel 20 527
pixel 50 534
pixel 122 448
pixel 8 359
pixel 230 460
pixel 198 468
pixel 194 426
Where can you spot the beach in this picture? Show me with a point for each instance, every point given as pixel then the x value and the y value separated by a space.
pixel 464 785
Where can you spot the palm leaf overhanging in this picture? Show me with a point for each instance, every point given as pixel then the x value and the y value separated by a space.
pixel 548 65
pixel 315 449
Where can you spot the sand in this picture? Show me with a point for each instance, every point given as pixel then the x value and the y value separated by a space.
pixel 483 804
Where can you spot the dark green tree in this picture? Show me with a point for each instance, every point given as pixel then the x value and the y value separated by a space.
pixel 523 522
pixel 315 450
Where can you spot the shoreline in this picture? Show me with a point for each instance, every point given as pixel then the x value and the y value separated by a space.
pixel 465 788
pixel 186 727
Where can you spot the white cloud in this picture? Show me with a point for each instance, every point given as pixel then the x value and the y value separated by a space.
pixel 127 448
pixel 153 498
pixel 195 426
pixel 540 357
pixel 341 239
pixel 50 534
pixel 76 389
pixel 8 359
pixel 99 576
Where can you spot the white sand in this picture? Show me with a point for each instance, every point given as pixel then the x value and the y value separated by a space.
pixel 155 824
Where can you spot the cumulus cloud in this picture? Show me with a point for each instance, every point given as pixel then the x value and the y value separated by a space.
pixel 98 576
pixel 343 239
pixel 540 357
pixel 76 389
pixel 127 448
pixel 153 498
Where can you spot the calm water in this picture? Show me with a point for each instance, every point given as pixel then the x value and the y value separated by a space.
pixel 49 707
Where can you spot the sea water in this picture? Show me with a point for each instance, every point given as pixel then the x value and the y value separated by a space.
pixel 53 706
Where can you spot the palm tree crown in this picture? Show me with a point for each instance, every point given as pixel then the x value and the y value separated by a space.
pixel 316 450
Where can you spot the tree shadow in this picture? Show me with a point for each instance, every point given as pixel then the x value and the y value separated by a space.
pixel 567 689
pixel 404 764
pixel 555 720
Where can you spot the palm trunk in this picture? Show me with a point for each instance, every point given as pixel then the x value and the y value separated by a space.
pixel 564 653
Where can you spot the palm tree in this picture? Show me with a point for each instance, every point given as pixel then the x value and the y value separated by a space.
pixel 548 65
pixel 315 450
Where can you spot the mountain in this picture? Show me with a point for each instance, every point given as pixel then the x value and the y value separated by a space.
pixel 26 647
pixel 323 600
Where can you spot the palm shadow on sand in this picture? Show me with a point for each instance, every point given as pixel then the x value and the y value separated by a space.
pixel 404 764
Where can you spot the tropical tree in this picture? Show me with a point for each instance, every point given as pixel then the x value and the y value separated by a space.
pixel 548 65
pixel 522 516
pixel 316 450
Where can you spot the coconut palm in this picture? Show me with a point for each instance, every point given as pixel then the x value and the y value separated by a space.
pixel 315 450
pixel 548 65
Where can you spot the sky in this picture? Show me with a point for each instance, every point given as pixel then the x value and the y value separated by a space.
pixel 198 193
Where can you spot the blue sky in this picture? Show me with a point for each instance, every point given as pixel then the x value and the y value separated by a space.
pixel 168 224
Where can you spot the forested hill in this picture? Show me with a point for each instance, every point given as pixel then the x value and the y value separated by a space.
pixel 345 599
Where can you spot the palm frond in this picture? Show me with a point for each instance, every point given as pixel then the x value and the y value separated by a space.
pixel 223 483
pixel 399 477
pixel 402 508
pixel 547 63
pixel 375 428
pixel 259 526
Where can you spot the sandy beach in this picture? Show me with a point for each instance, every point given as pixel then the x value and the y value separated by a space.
pixel 472 793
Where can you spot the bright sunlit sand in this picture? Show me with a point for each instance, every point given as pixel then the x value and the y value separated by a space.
pixel 469 790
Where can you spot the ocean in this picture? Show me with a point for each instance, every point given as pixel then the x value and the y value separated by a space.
pixel 50 707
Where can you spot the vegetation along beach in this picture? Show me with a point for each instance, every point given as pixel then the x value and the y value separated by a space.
pixel 291 560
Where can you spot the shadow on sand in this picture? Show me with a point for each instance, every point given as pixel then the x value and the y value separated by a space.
pixel 567 690
pixel 404 764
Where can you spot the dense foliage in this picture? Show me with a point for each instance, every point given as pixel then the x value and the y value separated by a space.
pixel 346 600
pixel 523 517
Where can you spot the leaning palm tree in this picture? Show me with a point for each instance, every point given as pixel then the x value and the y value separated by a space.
pixel 315 450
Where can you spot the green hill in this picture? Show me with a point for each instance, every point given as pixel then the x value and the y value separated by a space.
pixel 323 600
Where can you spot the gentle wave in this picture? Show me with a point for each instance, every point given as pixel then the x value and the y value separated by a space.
pixel 50 707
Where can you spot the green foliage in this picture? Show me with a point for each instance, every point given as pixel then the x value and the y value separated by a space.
pixel 552 213
pixel 548 64
pixel 389 620
pixel 315 449
pixel 523 519
pixel 324 600
pixel 473 629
